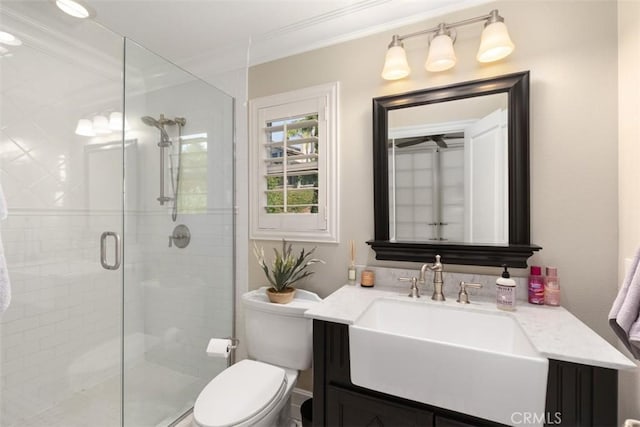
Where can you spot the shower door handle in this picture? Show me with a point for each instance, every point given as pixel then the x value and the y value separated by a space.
pixel 103 250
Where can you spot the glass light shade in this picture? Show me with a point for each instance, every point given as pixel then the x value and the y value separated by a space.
pixel 73 8
pixel 85 128
pixel 441 54
pixel 395 64
pixel 495 43
pixel 115 121
pixel 9 39
pixel 101 125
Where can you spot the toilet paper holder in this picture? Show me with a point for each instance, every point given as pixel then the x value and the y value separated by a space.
pixel 235 342
pixel 222 347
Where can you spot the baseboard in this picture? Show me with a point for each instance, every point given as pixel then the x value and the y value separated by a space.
pixel 297 398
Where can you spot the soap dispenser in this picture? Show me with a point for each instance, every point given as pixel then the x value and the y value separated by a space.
pixel 506 291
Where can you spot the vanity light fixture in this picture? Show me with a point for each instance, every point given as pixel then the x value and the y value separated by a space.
pixel 75 8
pixel 495 44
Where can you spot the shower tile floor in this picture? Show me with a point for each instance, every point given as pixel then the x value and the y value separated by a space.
pixel 152 400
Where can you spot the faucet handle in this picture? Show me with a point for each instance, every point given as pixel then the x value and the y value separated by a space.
pixel 437 263
pixel 415 291
pixel 463 296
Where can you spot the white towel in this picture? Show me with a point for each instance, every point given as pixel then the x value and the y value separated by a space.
pixel 624 317
pixel 5 284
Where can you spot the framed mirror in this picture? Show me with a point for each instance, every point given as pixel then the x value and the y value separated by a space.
pixel 451 173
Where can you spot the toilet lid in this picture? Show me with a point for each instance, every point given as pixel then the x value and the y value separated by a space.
pixel 238 393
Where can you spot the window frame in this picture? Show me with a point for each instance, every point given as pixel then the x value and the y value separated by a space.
pixel 303 227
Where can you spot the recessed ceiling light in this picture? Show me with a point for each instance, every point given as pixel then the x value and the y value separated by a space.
pixel 75 8
pixel 9 39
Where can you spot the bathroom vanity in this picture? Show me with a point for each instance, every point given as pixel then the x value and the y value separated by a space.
pixel 581 385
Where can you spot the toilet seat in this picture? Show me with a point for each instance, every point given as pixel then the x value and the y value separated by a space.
pixel 240 395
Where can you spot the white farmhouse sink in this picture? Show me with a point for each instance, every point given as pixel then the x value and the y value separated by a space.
pixel 470 361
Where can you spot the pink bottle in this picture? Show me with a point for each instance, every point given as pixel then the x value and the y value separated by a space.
pixel 552 287
pixel 536 285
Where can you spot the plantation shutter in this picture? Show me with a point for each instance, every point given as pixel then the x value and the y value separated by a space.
pixel 294 165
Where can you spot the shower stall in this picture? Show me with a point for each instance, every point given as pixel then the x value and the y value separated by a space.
pixel 115 295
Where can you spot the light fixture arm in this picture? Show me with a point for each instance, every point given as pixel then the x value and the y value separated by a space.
pixel 443 28
pixel 395 41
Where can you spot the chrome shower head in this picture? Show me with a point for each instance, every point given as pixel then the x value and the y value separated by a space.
pixel 150 121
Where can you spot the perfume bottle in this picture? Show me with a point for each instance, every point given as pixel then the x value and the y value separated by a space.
pixel 536 285
pixel 552 287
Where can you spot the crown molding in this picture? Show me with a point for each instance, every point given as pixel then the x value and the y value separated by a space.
pixel 341 25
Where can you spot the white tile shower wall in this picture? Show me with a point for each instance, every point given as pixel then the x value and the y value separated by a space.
pixel 61 333
pixel 187 292
pixel 185 296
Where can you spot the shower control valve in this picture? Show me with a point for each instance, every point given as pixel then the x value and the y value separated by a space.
pixel 181 236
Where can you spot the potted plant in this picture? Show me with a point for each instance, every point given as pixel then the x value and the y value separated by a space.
pixel 285 270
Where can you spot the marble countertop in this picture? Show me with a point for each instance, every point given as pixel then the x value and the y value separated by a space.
pixel 553 331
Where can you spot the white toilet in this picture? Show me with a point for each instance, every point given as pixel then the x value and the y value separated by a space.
pixel 257 392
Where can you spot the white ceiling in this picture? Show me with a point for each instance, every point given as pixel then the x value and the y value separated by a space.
pixel 209 37
pixel 256 31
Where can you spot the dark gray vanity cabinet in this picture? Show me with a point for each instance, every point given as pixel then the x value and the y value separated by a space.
pixel 582 395
pixel 348 407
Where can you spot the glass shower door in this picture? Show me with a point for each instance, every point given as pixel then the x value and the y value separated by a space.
pixel 70 351
pixel 62 175
pixel 178 274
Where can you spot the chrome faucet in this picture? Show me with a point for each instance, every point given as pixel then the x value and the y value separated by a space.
pixel 437 269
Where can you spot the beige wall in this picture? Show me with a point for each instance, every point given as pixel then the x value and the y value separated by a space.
pixel 628 168
pixel 570 49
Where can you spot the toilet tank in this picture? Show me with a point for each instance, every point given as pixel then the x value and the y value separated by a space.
pixel 279 334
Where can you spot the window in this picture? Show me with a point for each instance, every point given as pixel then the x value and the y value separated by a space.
pixel 193 174
pixel 294 165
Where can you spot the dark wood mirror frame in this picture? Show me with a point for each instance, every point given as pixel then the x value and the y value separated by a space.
pixel 519 248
